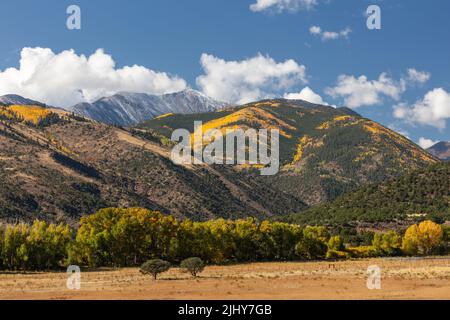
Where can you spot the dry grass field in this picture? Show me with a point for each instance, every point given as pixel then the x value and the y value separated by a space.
pixel 401 279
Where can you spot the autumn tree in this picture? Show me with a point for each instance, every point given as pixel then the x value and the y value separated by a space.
pixel 422 238
pixel 389 243
pixel 124 237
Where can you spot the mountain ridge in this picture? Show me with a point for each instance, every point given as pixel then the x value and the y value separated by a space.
pixel 11 99
pixel 420 194
pixel 441 150
pixel 130 108
pixel 324 151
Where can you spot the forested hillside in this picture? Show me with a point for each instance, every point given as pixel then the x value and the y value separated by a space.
pixel 420 194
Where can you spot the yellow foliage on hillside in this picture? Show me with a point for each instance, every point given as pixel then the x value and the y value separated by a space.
pixel 164 116
pixel 378 131
pixel 245 118
pixel 26 113
pixel 328 124
pixel 303 141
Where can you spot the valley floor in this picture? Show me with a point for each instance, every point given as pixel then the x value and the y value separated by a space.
pixel 401 279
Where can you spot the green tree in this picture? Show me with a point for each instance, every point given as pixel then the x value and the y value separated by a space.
pixel 14 246
pixel 336 244
pixel 389 243
pixel 155 267
pixel 193 265
pixel 124 237
pixel 311 248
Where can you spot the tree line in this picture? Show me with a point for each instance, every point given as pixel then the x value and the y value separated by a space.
pixel 116 237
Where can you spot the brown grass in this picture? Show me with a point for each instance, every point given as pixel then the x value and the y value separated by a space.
pixel 402 279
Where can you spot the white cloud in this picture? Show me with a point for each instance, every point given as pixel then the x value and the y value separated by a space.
pixel 306 94
pixel 432 110
pixel 358 92
pixel 66 78
pixel 426 143
pixel 248 80
pixel 316 30
pixel 419 77
pixel 283 5
pixel 329 35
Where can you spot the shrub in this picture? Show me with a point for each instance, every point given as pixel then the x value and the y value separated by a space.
pixel 362 252
pixel 155 267
pixel 193 265
pixel 337 255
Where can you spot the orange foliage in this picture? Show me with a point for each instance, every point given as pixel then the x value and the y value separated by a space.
pixel 29 113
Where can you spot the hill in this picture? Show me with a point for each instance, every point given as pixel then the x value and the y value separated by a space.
pixel 441 150
pixel 324 152
pixel 421 194
pixel 58 166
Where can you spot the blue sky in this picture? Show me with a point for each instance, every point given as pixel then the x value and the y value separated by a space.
pixel 170 36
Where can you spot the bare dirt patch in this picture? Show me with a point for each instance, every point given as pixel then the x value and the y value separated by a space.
pixel 401 279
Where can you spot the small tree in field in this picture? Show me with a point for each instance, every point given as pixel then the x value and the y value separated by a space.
pixel 193 265
pixel 155 267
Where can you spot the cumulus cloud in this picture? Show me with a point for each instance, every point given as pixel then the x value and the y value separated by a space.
pixel 432 110
pixel 306 94
pixel 283 5
pixel 65 78
pixel 358 92
pixel 426 143
pixel 419 77
pixel 361 91
pixel 329 35
pixel 248 80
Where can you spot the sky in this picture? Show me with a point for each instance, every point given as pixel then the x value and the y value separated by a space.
pixel 238 51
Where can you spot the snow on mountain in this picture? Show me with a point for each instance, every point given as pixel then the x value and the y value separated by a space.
pixel 11 99
pixel 127 108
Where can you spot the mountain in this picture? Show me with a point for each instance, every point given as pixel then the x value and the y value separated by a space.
pixel 441 150
pixel 126 109
pixel 324 151
pixel 13 99
pixel 58 166
pixel 423 193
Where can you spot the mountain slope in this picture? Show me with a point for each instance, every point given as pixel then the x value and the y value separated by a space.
pixel 57 166
pixel 324 152
pixel 13 99
pixel 441 150
pixel 424 193
pixel 131 108
pixel 62 166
